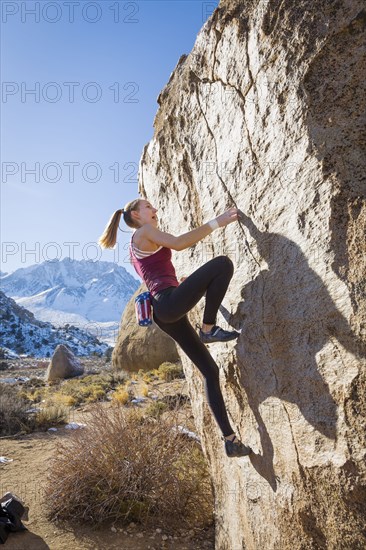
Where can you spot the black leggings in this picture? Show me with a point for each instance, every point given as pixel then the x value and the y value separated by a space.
pixel 170 307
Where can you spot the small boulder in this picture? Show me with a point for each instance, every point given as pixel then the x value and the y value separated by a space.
pixel 139 347
pixel 63 364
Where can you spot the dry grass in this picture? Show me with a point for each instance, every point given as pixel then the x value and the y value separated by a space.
pixel 13 418
pixel 145 390
pixel 87 389
pixel 50 415
pixel 122 394
pixel 155 409
pixel 56 400
pixel 169 371
pixel 124 466
pixel 33 395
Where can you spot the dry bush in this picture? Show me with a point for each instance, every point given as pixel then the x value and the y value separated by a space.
pixel 34 395
pixel 176 401
pixel 50 415
pixel 13 418
pixel 169 371
pixel 33 390
pixel 116 377
pixel 155 409
pixel 122 395
pixel 87 389
pixel 61 399
pixel 145 390
pixel 124 466
pixel 149 376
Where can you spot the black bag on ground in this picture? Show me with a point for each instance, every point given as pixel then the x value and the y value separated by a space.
pixel 11 512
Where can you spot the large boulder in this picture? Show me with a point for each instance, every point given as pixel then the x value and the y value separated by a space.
pixel 141 347
pixel 267 113
pixel 63 364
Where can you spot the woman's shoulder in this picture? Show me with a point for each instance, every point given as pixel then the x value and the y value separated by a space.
pixel 142 243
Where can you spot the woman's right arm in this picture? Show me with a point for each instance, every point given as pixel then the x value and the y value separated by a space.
pixel 191 237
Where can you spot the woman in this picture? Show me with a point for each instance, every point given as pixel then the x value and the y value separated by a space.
pixel 150 252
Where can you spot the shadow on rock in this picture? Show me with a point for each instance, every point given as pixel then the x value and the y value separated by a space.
pixel 287 316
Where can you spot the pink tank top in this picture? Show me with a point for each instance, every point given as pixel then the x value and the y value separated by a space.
pixel 156 270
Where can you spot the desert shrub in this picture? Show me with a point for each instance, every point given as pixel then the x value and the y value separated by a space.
pixel 50 415
pixel 103 380
pixel 168 371
pixel 32 395
pixel 145 390
pixel 174 402
pixel 13 418
pixel 58 399
pixel 126 467
pixel 148 375
pixel 122 394
pixel 35 382
pixel 156 409
pixel 84 390
pixel 116 377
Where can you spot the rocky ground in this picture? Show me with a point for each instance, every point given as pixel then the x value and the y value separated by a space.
pixel 24 476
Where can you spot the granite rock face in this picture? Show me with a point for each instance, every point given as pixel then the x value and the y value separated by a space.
pixel 138 347
pixel 267 113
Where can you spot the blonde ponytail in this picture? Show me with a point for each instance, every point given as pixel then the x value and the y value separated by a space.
pixel 109 237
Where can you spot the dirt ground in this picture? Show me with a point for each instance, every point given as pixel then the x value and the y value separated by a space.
pixel 24 476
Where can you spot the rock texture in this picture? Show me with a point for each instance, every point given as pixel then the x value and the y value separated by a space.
pixel 63 364
pixel 138 347
pixel 267 113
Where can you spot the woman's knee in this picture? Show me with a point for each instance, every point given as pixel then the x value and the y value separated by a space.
pixel 226 263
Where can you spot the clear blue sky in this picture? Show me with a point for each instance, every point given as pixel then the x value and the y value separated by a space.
pixel 97 69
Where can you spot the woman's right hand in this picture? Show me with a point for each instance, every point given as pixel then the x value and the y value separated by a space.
pixel 227 217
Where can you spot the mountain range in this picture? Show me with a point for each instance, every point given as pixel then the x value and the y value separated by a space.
pixel 89 295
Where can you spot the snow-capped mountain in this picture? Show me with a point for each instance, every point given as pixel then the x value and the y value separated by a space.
pixel 22 334
pixel 90 295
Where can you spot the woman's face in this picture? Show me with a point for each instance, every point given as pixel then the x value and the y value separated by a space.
pixel 147 214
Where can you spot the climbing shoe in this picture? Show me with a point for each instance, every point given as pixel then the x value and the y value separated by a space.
pixel 236 448
pixel 217 334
